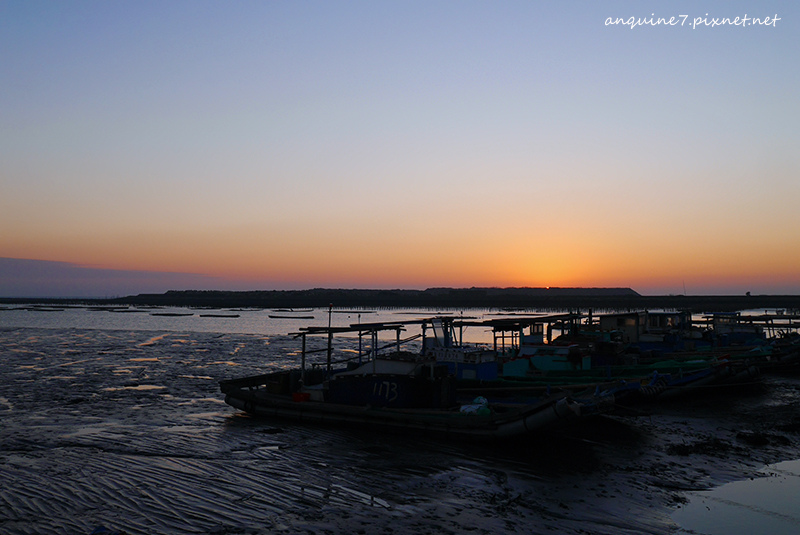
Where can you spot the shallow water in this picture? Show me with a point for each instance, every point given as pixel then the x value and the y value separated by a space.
pixel 126 428
pixel 248 320
pixel 764 504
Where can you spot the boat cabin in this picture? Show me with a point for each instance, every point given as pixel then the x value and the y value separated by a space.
pixel 631 325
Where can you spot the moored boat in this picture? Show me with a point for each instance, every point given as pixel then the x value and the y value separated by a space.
pixel 401 391
pixel 528 364
pixel 500 420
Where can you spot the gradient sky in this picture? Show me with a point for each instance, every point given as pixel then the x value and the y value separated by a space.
pixel 404 144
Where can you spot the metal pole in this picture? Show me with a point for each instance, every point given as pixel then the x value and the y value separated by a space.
pixel 303 362
pixel 461 330
pixel 330 338
pixel 359 340
pixel 374 351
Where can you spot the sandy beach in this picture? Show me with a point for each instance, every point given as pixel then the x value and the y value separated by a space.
pixel 127 430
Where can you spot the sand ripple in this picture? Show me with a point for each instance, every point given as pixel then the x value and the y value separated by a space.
pixel 160 453
pixel 136 437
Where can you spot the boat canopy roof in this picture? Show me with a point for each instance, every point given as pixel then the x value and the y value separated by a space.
pixel 514 323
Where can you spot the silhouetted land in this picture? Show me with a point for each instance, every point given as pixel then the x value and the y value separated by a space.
pixel 522 298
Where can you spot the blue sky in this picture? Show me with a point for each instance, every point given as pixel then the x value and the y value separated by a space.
pixel 404 144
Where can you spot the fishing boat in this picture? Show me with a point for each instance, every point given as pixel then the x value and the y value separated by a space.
pixel 785 356
pixel 521 362
pixel 401 391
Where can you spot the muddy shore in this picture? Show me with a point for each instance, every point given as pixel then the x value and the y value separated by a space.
pixel 127 430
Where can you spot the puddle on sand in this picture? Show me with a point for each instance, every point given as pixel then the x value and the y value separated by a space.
pixel 763 505
pixel 133 387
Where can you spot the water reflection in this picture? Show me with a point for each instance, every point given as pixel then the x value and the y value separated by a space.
pixel 766 504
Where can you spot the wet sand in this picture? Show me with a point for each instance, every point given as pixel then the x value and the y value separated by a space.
pixel 128 430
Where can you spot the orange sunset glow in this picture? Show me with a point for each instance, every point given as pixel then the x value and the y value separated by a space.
pixel 405 147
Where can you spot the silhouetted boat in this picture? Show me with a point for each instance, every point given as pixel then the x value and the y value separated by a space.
pixel 527 364
pixel 400 393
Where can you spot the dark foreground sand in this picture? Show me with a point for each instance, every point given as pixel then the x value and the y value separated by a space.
pixel 127 430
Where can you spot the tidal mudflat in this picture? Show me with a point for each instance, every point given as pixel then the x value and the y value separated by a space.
pixel 127 430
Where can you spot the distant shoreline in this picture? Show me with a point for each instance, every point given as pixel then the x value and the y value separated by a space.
pixel 513 298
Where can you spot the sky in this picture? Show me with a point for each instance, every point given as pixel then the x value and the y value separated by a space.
pixel 399 144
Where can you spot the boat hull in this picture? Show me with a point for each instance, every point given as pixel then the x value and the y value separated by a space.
pixel 503 421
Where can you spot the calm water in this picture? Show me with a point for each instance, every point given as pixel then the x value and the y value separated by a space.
pixel 764 505
pixel 250 321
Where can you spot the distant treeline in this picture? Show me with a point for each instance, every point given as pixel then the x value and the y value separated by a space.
pixel 503 298
pixel 432 297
